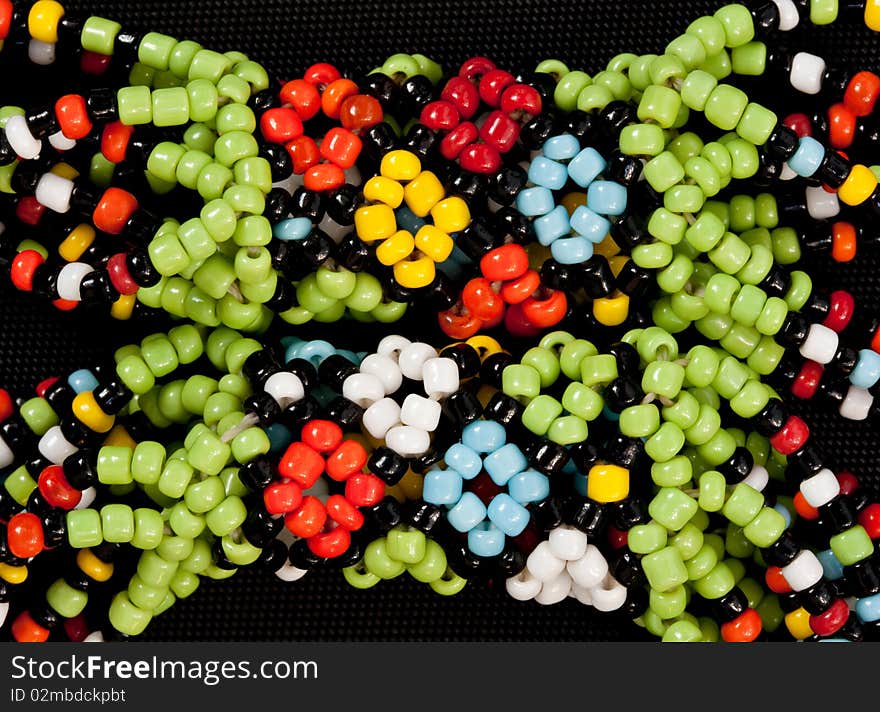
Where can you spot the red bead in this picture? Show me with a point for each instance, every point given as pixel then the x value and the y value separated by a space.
pixel 500 131
pixel 481 300
pixel 321 74
pixel 521 101
pixel 842 307
pixel 776 582
pixel 364 489
pixel 832 620
pixel 114 209
pixel 280 125
pixel 23 266
pixel 304 154
pixel 322 435
pixel 807 381
pixel 335 93
pixel 458 323
pixel 29 210
pixel 302 96
pixel 546 312
pixel 348 459
pixel 120 277
pixel 94 63
pixel 341 147
pixel 76 629
pixel 26 630
pixel 301 464
pixel 324 177
pixel 282 497
pixel 458 139
pixel 862 92
pixel 25 534
pixel 44 386
pixel 495 321
pixel 742 629
pixel 114 141
pixel 65 304
pixel 841 126
pixel 792 436
pixel 799 123
pixel 360 112
pixel 492 85
pixel 308 519
pixel 440 116
pixel 7 407
pixel 804 509
pixel 329 545
pixel 504 263
pixel 617 538
pixel 476 67
pixel 869 518
pixel 6 13
pixel 56 490
pixel 463 95
pixel 73 119
pixel 344 513
pixel 480 158
pixel 848 482
pixel 517 323
pixel 518 290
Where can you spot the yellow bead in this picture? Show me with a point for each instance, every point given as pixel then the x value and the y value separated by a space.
pixel 607 248
pixel 451 214
pixel 374 222
pixel 123 307
pixel 92 566
pixel 485 346
pixel 423 193
pixel 396 248
pixel 798 624
pixel 13 574
pixel 77 241
pixel 611 311
pixel 384 190
pixel 608 483
pixel 89 413
pixel 413 274
pixel 64 170
pixel 43 20
pixel 400 165
pixel 872 15
pixel 858 186
pixel 434 242
pixel 617 262
pixel 119 437
pixel 572 201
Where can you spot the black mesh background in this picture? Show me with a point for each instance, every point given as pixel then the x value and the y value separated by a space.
pixel 36 341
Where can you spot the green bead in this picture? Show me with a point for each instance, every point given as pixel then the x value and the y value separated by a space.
pixel 675 276
pixel 203 496
pixel 154 50
pixel 666 226
pixel 725 106
pixel 366 295
pixel 219 219
pixel 736 543
pixel 717 583
pixel 593 97
pixel 144 596
pixel 702 366
pixel 642 140
pixel 254 264
pixel 659 104
pixel 235 384
pixel 98 35
pixel 688 541
pixel 730 254
pixel 254 171
pixel 126 617
pixel 652 255
pixel 213 180
pixel 653 623
pixel 581 401
pixel 101 170
pixel 675 472
pixel 38 415
pixel 170 106
pixel 233 88
pixel 665 316
pixel 199 137
pixel 234 146
pixel 749 59
pixel 226 516
pixel 199 558
pixel 765 528
pixel 184 523
pixel 196 240
pixel 154 570
pixel 756 124
pixel 359 578
pixel 696 89
pixel 771 613
pixel 66 600
pixel 184 584
pixel 189 166
pixel 687 49
pixel 663 171
pixel 710 31
pixel 718 448
pixel 160 355
pixel 738 25
pixel 597 369
pixel 196 392
pixel 799 291
pixel 664 569
pixel 569 88
pixel 752 589
pixel 646 538
pixel 208 454
pixel 168 255
pixel 568 430
pixel 714 326
pixel 616 82
pixel 544 362
pixel 639 421
pixel 114 465
pixel 572 354
pixel 251 72
pixel 684 198
pixel 175 478
pixel 432 567
pixel 684 632
pixel 236 117
pixel 249 444
pixel 743 504
pixel 685 146
pixel 210 65
pixel 379 563
pixel 640 71
pixel 672 508
pixel 117 523
pixel 852 545
pixel 134 105
pixel 84 528
pixel 786 245
pixel 664 378
pixel 668 604
pixel 654 344
pixel 702 562
pixel 203 100
pixel 823 12
pixel 148 529
pixel 684 412
pixel 540 413
pixel 751 399
pixel 19 484
pixel 744 158
pixel 758 266
pixel 237 353
pixel 740 341
pixel 171 402
pixel 704 174
pixel 747 305
pixel 406 545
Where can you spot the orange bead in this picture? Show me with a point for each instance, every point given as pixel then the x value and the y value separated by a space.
pixel 862 92
pixel 804 508
pixel 843 247
pixel 518 290
pixel 341 147
pixel 776 582
pixel 360 112
pixel 26 630
pixel 545 312
pixel 335 93
pixel 73 119
pixel 304 153
pixel 281 124
pixel 302 96
pixel 324 177
pixel 321 74
pixel 841 126
pixel 742 629
pixel 65 304
pixel 114 141
pixel 114 209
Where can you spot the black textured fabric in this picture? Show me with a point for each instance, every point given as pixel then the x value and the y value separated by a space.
pixel 36 341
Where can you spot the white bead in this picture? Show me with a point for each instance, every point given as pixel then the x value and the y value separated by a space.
pixel 285 387
pixel 42 53
pixel 568 543
pixel 787 172
pixel 20 138
pixel 380 417
pixel 289 572
pixel 86 497
pixel 70 278
pixel 4 610
pixel 820 344
pixel 821 204
pixel 413 357
pixel 6 454
pixel 96 637
pixel 757 478
pixel 392 345
pixel 543 564
pixel 554 591
pixel 788 15
pixel 363 389
pixel 385 369
pixel 523 586
pixel 806 73
pixel 821 488
pixel 857 404
pixel 54 192
pixel 804 571
pixel 608 596
pixel 54 446
pixel 408 441
pixel 440 376
pixel 583 595
pixel 421 412
pixel 589 570
pixel 60 142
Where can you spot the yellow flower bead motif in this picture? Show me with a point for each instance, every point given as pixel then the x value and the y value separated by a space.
pixel 13 574
pixel 92 566
pixel 396 248
pixel 798 624
pixel 119 437
pixel 572 201
pixel 608 483
pixel 858 186
pixel 434 242
pixel 89 413
pixel 872 15
pixel 400 165
pixel 413 274
pixel 384 190
pixel 123 307
pixel 611 311
pixel 64 170
pixel 76 243
pixel 374 222
pixel 451 214
pixel 423 192
pixel 485 346
pixel 43 20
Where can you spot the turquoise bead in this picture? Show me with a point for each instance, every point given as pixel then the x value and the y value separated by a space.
pixel 571 250
pixel 589 224
pixel 808 157
pixel 486 540
pixel 292 229
pixel 82 380
pixel 484 436
pixel 504 463
pixel 508 515
pixel 552 225
pixel 442 487
pixel 585 167
pixel 548 173
pixel 530 486
pixel 868 609
pixel 533 201
pixel 467 513
pixel 607 197
pixel 465 461
pixel 831 567
pixel 867 370
pixel 561 148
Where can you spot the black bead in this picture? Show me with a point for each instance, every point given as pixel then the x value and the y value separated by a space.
pixel 316 248
pixel 627 358
pixel 257 474
pixel 276 208
pixel 467 564
pixel 818 597
pixel 835 81
pixel 125 47
pixel 622 393
pixel 422 516
pixel 629 512
pixel 466 185
pixel 279 160
pixel 783 142
pixel 845 359
pixel 352 253
pixel 536 131
pixel 383 88
pixel 808 461
pixel 466 358
pixel 7 155
pixel 421 141
pixel 834 169
pixel 730 605
pixel 15 433
pixel 623 169
pixel 511 561
pixel 334 369
pixel 344 412
pixel 629 232
pixel 28 173
pixel 43 614
pixel 259 366
pixel 76 433
pixel 765 16
pixel 113 396
pixel 789 602
pixel 558 276
pixel 283 298
pixel 41 122
pixel 617 115
pixel 383 516
pixel 260 528
pixel 584 455
pixel 54 527
pixel 108 552
pixel 509 221
pixel 585 514
pixel 8 506
pixel 264 100
pixel 264 406
pixel 627 569
pixel 37 504
pixel 416 92
pixel 97 288
pixel 378 140
pixel 864 577
pixel 387 465
pixel 506 184
pixel 625 451
pixel 306 203
pixel 302 557
pixel 77 579
pixel 636 603
pixel 296 415
pixel 441 294
pixel 504 409
pixel 492 369
pixel 598 277
pixel 771 419
pixel 424 462
pixel 580 124
pixel 794 330
pixel 351 556
pixel 461 408
pixel 141 268
pixel 546 515
pixel 342 204
pixel 838 514
pixel 816 308
pixel 738 467
pixel 818 238
pixel 273 556
pixel 69 31
pixel 633 280
pixel 782 552
pixel 546 456
pixel 45 281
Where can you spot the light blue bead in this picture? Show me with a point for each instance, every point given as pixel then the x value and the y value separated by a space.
pixel 314 351
pixel 561 148
pixel 279 438
pixel 833 640
pixel 442 487
pixel 508 515
pixel 504 463
pixel 408 220
pixel 585 167
pixel 786 515
pixel 588 223
pixel 529 486
pixel 486 540
pixel 82 381
pixel 867 370
pixel 808 157
pixel 572 250
pixel 484 436
pixel 292 229
pixel 467 513
pixel 552 226
pixel 832 568
pixel 548 173
pixel 350 355
pixel 535 201
pixel 606 197
pixel 464 461
pixel 868 609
